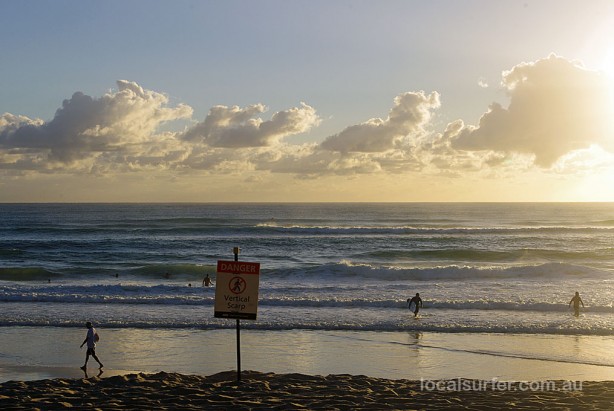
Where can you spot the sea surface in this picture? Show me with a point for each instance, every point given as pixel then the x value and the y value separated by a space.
pixel 479 267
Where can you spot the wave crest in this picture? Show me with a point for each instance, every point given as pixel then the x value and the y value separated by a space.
pixel 347 268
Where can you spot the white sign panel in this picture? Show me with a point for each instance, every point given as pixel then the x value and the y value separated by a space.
pixel 236 290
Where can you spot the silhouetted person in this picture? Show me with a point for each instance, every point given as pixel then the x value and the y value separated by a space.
pixel 417 301
pixel 206 281
pixel 576 300
pixel 90 339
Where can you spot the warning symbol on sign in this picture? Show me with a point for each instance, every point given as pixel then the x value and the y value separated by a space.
pixel 237 285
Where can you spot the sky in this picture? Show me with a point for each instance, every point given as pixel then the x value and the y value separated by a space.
pixel 306 100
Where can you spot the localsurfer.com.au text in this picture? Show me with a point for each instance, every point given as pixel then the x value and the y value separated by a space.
pixel 462 384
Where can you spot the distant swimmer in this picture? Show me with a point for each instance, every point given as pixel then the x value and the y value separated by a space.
pixel 576 300
pixel 207 281
pixel 416 301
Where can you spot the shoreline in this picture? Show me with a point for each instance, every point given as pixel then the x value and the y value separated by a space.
pixel 266 391
pixel 53 352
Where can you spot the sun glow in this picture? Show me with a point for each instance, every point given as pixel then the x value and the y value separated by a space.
pixel 608 69
pixel 608 63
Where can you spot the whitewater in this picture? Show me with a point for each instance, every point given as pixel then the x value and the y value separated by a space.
pixel 496 268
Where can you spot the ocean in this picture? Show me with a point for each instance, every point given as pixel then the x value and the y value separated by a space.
pixel 495 279
pixel 479 267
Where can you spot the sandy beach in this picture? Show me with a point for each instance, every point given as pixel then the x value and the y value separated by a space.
pixel 266 391
pixel 181 369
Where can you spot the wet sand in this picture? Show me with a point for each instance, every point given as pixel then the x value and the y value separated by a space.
pixel 53 352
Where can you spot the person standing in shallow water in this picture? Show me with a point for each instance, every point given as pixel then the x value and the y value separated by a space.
pixel 417 303
pixel 576 300
pixel 90 340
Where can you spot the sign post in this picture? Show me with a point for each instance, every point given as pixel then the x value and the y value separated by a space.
pixel 235 251
pixel 236 294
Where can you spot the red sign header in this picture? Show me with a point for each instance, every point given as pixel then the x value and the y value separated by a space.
pixel 238 267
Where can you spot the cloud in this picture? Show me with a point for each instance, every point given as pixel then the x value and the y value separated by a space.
pixel 308 161
pixel 411 111
pixel 239 127
pixel 84 125
pixel 9 123
pixel 556 106
pixel 482 83
pixel 119 132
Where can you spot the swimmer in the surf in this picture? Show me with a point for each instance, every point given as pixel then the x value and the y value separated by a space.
pixel 416 301
pixel 576 300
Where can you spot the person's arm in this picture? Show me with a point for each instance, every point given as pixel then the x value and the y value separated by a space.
pixel 84 341
pixel 582 302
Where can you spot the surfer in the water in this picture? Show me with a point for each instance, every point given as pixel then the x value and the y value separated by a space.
pixel 416 301
pixel 576 301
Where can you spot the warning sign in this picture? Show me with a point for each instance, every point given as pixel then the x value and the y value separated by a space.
pixel 236 290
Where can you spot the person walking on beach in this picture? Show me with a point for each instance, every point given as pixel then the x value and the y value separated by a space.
pixel 576 300
pixel 207 281
pixel 90 339
pixel 417 301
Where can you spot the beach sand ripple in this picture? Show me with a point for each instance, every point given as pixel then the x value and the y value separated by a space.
pixel 269 391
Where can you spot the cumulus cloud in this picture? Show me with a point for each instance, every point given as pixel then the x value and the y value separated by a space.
pixel 239 127
pixel 9 123
pixel 308 161
pixel 556 106
pixel 411 111
pixel 85 125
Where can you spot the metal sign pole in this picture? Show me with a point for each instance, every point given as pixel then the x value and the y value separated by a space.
pixel 236 250
pixel 236 294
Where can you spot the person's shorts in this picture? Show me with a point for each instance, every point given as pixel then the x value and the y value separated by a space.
pixel 91 351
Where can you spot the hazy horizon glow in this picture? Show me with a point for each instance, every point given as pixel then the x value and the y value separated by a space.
pixel 156 101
